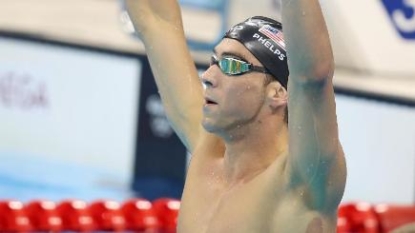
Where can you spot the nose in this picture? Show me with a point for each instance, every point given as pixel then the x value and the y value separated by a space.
pixel 206 81
pixel 209 79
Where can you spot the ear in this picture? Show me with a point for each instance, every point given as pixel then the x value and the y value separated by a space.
pixel 277 95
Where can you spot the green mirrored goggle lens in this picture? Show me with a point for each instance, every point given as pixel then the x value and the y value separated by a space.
pixel 233 66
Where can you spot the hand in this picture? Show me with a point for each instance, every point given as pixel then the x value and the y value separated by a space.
pixel 152 15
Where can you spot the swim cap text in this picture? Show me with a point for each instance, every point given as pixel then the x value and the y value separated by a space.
pixel 264 41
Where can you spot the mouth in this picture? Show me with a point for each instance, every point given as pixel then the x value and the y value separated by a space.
pixel 209 101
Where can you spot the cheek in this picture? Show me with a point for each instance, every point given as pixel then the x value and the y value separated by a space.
pixel 244 95
pixel 244 89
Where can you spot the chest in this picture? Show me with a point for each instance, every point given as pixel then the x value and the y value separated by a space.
pixel 249 213
pixel 247 208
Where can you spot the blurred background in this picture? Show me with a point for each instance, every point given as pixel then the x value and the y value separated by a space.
pixel 80 116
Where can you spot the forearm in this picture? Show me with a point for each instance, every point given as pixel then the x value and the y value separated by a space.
pixel 310 55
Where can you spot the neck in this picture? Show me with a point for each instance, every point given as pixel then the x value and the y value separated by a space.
pixel 252 148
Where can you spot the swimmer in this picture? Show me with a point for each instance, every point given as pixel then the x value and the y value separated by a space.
pixel 256 167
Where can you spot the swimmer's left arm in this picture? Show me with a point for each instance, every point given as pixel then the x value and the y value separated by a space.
pixel 316 160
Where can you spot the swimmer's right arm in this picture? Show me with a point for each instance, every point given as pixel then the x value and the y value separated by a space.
pixel 159 25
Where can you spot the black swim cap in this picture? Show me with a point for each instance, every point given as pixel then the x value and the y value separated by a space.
pixel 263 37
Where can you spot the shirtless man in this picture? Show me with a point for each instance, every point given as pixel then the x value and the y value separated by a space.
pixel 251 171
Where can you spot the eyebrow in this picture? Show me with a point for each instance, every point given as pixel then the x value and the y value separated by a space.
pixel 231 54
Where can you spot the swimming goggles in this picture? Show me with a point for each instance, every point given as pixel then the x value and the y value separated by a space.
pixel 233 66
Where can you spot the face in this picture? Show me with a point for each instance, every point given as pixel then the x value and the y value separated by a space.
pixel 232 101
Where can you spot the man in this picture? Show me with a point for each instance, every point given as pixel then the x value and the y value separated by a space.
pixel 251 171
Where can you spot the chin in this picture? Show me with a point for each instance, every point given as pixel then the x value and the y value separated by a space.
pixel 209 126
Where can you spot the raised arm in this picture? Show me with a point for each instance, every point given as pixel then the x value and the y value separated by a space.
pixel 316 161
pixel 159 25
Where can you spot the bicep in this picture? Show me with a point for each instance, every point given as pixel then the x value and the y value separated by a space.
pixel 177 81
pixel 312 117
pixel 180 88
pixel 314 143
pixel 160 27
